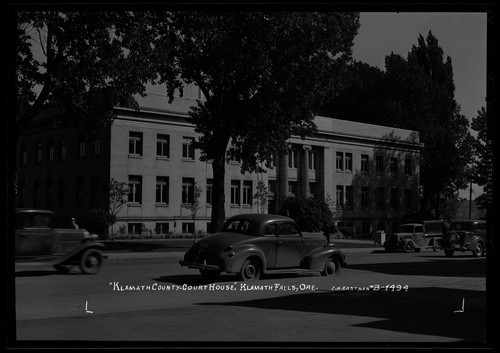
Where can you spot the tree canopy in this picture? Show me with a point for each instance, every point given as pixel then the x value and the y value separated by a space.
pixel 482 167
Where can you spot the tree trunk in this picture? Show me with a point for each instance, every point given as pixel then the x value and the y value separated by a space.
pixel 218 194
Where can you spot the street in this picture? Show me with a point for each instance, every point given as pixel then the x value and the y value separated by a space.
pixel 379 298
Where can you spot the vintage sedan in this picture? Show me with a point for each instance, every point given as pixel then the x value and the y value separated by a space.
pixel 37 240
pixel 253 244
pixel 468 235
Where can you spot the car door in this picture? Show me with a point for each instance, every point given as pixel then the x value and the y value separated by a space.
pixel 268 243
pixel 34 236
pixel 289 247
pixel 419 237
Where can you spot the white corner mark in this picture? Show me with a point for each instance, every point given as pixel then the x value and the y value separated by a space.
pixel 461 310
pixel 86 305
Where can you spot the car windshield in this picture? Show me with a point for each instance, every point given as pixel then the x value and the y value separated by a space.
pixel 406 229
pixel 461 226
pixel 242 226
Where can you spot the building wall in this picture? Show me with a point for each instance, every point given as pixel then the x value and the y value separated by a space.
pixel 314 171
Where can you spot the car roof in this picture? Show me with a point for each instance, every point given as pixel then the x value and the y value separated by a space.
pixel 263 217
pixel 33 210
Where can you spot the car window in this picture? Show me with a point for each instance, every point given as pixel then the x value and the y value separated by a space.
pixel 461 226
pixel 419 229
pixel 287 228
pixel 239 226
pixel 406 229
pixel 270 229
pixel 33 221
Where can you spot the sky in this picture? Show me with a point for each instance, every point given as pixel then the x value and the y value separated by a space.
pixel 462 36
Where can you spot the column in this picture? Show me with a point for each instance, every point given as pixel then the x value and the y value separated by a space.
pixel 304 172
pixel 282 179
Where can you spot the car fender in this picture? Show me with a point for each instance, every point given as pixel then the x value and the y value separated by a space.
pixel 475 239
pixel 316 259
pixel 74 255
pixel 235 258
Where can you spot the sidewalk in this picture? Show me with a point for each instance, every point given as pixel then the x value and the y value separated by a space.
pixel 119 250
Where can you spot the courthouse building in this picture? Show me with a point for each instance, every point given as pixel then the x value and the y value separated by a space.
pixel 369 172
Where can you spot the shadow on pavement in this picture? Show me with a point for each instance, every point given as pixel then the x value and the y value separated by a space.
pixel 197 279
pixel 434 267
pixel 424 311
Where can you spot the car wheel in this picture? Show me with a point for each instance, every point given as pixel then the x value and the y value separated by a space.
pixel 91 261
pixel 250 270
pixel 409 247
pixel 435 246
pixel 332 267
pixel 210 274
pixel 478 250
pixel 449 253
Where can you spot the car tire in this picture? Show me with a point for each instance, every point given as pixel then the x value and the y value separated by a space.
pixel 449 253
pixel 250 270
pixel 478 250
pixel 210 274
pixel 91 261
pixel 435 246
pixel 409 247
pixel 332 267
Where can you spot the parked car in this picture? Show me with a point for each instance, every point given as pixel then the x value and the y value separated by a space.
pixel 36 239
pixel 253 244
pixel 468 235
pixel 412 237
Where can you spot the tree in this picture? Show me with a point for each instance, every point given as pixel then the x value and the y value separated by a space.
pixel 118 196
pixel 263 76
pixel 311 215
pixel 194 204
pixel 261 196
pixel 482 167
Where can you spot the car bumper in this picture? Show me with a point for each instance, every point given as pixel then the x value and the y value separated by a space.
pixel 203 266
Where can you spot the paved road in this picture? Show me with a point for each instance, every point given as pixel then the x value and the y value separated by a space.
pixel 307 309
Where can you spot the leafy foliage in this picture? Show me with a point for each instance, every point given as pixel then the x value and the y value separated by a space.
pixel 482 168
pixel 311 214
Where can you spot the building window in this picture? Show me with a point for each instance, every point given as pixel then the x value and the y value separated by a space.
pixel 188 148
pixel 61 192
pixel 95 147
pixel 163 146
pixel 340 161
pixel 408 166
pixel 394 166
pixel 134 228
pixel 187 190
pixel 292 158
pixel 394 198
pixel 340 196
pixel 292 188
pixel 162 190
pixel 365 197
pixel 187 228
pixel 313 160
pixel 62 149
pixel 408 199
pixel 364 163
pixel 235 192
pixel 348 162
pixel 379 165
pixel 271 187
pixel 39 151
pixel 50 151
pixel 210 187
pixel 135 143
pixel 313 189
pixel 79 192
pixel 380 198
pixel 162 228
pixel 348 197
pixel 94 189
pixel 247 192
pixel 37 199
pixel 80 146
pixel 23 154
pixel 135 189
pixel 50 193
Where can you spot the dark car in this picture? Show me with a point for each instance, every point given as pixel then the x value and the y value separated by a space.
pixel 36 239
pixel 254 244
pixel 468 235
